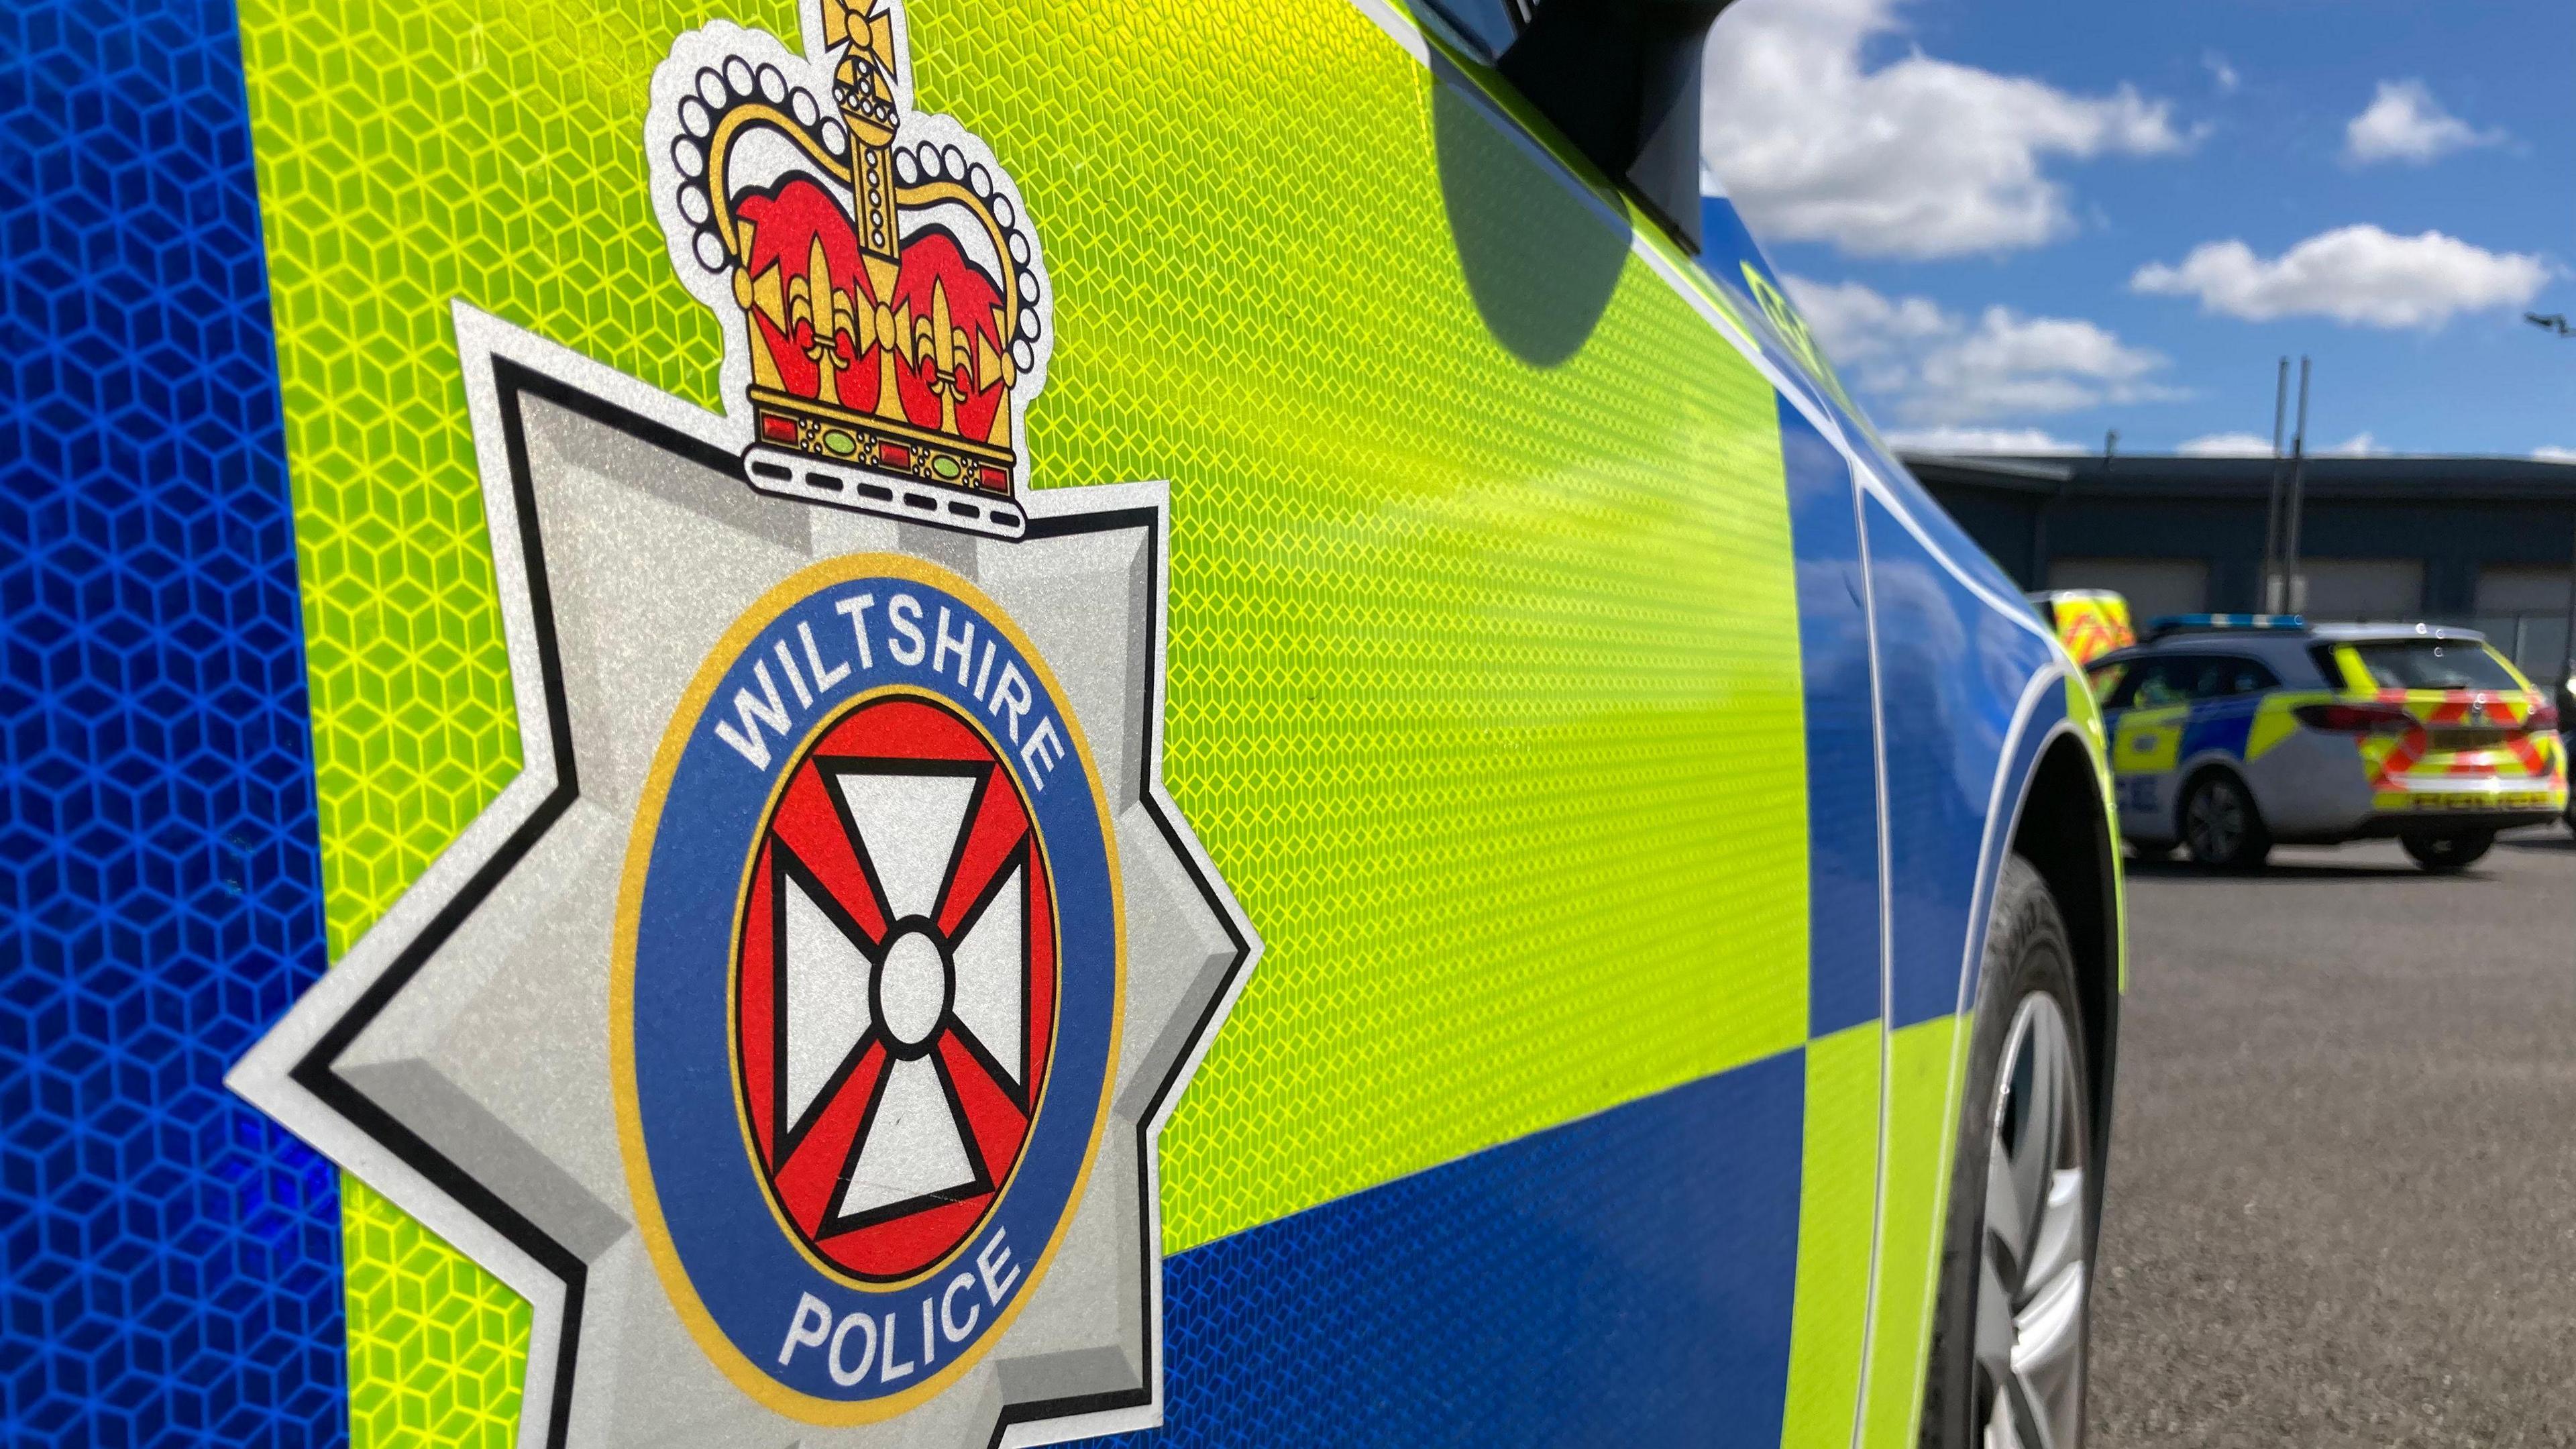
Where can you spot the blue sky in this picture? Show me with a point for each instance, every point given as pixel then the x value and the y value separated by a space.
pixel 2023 222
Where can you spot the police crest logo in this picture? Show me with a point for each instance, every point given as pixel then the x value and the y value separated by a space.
pixel 919 991
pixel 796 1030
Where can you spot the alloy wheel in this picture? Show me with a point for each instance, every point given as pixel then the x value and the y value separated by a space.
pixel 2033 1262
pixel 2216 821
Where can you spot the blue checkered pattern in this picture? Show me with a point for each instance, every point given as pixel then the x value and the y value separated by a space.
pixel 169 1260
pixel 1618 1282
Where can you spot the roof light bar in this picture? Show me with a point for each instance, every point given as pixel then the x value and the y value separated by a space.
pixel 2218 623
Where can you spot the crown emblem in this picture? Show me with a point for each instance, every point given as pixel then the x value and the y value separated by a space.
pixel 879 282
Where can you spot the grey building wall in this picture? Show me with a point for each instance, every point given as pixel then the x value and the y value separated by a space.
pixel 2454 517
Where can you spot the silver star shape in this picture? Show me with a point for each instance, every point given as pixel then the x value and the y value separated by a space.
pixel 457 1058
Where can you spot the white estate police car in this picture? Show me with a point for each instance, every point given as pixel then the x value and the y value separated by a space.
pixel 2233 733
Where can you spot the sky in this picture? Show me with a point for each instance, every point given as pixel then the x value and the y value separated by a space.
pixel 2018 224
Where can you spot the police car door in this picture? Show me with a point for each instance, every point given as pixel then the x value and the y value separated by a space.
pixel 2147 712
pixel 2225 693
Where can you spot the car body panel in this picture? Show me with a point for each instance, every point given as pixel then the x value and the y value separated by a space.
pixel 1840 715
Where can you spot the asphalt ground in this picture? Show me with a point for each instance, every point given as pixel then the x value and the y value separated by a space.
pixel 2342 1198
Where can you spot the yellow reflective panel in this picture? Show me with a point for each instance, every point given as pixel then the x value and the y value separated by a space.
pixel 1837 1216
pixel 2082 705
pixel 1924 1064
pixel 438 1347
pixel 2275 720
pixel 2148 741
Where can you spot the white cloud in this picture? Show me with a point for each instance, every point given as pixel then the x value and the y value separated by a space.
pixel 2247 445
pixel 2220 72
pixel 1862 330
pixel 2250 447
pixel 1938 368
pixel 2550 454
pixel 2404 123
pixel 2358 275
pixel 1979 440
pixel 1915 158
pixel 2226 445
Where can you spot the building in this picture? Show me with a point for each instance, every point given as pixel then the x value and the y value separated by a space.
pixel 2485 542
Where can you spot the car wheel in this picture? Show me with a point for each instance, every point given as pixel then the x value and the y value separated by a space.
pixel 2220 826
pixel 2014 1320
pixel 2443 854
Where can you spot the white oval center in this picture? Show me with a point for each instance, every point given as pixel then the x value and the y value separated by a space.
pixel 912 987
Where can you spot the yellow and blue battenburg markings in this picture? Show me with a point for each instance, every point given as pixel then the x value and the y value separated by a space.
pixel 2155 740
pixel 1610 767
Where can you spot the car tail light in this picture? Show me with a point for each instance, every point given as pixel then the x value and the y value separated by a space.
pixel 2354 719
pixel 2542 719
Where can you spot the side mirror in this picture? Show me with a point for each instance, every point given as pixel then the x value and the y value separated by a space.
pixel 1621 79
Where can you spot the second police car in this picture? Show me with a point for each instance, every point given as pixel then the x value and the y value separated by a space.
pixel 2232 733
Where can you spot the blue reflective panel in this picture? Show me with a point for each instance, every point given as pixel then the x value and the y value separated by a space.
pixel 1623 1280
pixel 1842 769
pixel 1952 670
pixel 169 1259
pixel 2224 727
pixel 1935 520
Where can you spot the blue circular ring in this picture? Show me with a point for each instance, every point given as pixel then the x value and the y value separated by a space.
pixel 755 1281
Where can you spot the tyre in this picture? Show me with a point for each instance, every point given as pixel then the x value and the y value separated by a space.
pixel 2220 826
pixel 2443 854
pixel 2012 1327
pixel 2567 750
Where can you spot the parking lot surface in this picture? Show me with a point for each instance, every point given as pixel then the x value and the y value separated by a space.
pixel 2342 1197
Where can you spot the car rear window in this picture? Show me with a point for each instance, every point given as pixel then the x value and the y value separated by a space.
pixel 2434 664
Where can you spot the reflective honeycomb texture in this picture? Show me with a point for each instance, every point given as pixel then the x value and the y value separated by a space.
pixel 1483 656
pixel 437 1347
pixel 169 1259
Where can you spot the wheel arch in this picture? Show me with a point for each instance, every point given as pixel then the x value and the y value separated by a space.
pixel 2200 767
pixel 2064 829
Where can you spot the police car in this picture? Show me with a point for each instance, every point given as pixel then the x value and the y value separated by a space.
pixel 950 723
pixel 2234 733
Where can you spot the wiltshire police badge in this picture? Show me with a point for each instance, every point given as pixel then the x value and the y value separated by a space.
pixel 796 1030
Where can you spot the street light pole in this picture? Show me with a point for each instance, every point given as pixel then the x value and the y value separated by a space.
pixel 2271 576
pixel 2557 323
pixel 2295 583
pixel 2567 655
